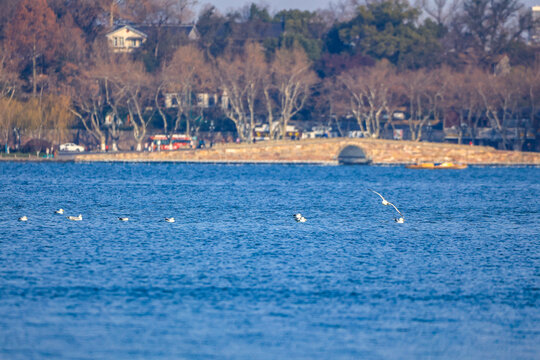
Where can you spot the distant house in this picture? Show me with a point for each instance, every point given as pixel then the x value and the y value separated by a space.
pixel 126 39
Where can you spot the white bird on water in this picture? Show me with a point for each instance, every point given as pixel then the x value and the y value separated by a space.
pixel 171 219
pixel 123 218
pixel 385 202
pixel 23 218
pixel 299 218
pixel 75 218
pixel 59 211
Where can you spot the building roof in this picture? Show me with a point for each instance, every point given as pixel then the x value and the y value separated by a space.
pixel 128 28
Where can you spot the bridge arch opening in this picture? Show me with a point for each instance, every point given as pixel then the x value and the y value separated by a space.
pixel 352 155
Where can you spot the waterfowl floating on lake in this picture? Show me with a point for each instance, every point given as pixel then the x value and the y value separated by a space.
pixel 59 211
pixel 299 218
pixel 171 219
pixel 23 218
pixel 75 218
pixel 123 218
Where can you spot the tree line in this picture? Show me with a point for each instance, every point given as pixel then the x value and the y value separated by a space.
pixel 467 63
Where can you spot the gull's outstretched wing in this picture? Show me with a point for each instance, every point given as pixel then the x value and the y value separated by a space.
pixel 373 191
pixel 397 209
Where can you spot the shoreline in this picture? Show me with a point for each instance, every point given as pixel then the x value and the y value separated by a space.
pixel 328 152
pixel 250 162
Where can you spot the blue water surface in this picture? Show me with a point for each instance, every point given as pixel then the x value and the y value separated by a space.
pixel 235 277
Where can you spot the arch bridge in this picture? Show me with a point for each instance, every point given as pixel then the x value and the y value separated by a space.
pixel 330 151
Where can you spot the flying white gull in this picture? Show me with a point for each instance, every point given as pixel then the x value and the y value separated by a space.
pixel 59 211
pixel 75 218
pixel 385 202
pixel 171 219
pixel 23 218
pixel 299 218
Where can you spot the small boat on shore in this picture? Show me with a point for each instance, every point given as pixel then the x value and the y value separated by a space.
pixel 433 166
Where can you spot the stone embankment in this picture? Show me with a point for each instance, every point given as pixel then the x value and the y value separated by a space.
pixel 327 151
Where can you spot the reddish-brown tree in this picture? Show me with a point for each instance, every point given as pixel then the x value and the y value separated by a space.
pixel 33 34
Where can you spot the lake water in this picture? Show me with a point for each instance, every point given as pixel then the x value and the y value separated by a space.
pixel 236 277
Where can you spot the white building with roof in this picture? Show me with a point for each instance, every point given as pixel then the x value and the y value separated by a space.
pixel 125 39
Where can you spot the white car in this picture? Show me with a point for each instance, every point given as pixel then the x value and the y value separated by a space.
pixel 71 147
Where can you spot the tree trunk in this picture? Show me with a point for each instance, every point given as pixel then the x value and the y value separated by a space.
pixel 111 15
pixel 34 71
pixel 156 50
pixel 270 113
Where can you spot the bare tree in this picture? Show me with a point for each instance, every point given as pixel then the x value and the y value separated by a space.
pixel 158 12
pixel 88 106
pixel 230 74
pixel 115 95
pixel 9 80
pixel 461 98
pixel 488 28
pixel 369 92
pixel 139 99
pixel 293 79
pixel 255 71
pixel 423 93
pixel 165 12
pixel 60 118
pixel 10 113
pixel 340 11
pixel 500 95
pixel 530 78
pixel 103 73
pixel 187 74
pixel 327 102
pixel 440 10
pixel 9 106
pixel 241 78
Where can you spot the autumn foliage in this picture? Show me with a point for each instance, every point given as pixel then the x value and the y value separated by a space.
pixel 371 68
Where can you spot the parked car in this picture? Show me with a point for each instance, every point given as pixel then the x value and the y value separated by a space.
pixel 71 147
